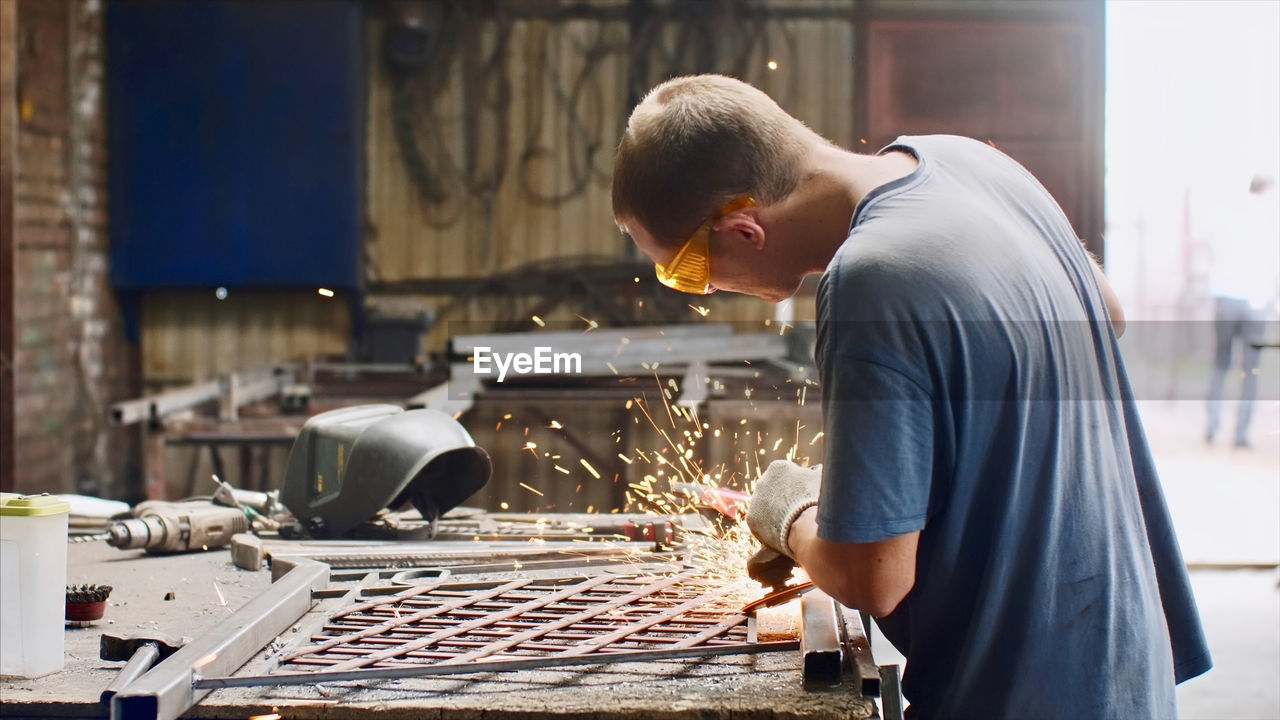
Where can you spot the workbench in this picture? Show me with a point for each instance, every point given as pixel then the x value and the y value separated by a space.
pixel 185 595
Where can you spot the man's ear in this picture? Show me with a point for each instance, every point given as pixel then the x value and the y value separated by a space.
pixel 744 226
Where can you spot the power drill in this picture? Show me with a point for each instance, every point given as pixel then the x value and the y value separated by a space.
pixel 174 527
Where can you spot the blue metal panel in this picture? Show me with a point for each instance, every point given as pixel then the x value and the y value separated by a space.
pixel 236 142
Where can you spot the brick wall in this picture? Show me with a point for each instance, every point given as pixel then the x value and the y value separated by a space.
pixel 70 359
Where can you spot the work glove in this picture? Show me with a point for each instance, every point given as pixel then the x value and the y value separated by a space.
pixel 783 491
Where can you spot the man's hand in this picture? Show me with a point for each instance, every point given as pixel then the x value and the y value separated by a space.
pixel 783 491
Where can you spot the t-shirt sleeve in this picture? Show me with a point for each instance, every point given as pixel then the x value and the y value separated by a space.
pixel 879 431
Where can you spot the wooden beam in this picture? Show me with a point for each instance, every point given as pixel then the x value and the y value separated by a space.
pixel 8 243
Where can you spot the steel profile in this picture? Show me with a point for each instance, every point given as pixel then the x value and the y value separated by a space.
pixel 555 661
pixel 168 690
pixel 820 638
pixel 857 644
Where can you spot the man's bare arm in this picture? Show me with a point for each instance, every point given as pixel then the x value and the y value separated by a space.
pixel 1108 296
pixel 872 577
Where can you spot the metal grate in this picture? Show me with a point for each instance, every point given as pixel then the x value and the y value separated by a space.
pixel 526 618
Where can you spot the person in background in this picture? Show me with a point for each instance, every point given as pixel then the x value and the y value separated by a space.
pixel 1245 281
pixel 987 492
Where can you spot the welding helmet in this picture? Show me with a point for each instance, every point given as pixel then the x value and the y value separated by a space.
pixel 348 464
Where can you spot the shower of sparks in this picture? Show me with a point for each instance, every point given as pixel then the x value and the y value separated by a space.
pixel 591 324
pixel 674 479
pixel 703 311
pixel 538 321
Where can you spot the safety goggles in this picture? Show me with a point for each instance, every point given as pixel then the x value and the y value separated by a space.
pixel 690 270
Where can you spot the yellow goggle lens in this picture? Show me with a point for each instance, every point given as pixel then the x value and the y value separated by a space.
pixel 690 270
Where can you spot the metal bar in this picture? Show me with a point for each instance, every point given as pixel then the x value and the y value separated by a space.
pixel 820 638
pixel 607 338
pixel 857 643
pixel 392 559
pixel 615 565
pixel 129 412
pixel 310 678
pixel 891 693
pixel 349 368
pixel 250 386
pixel 185 397
pixel 730 622
pixel 167 690
pixel 389 555
pixel 251 389
pixel 138 664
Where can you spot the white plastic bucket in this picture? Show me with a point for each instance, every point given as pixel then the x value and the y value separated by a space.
pixel 33 584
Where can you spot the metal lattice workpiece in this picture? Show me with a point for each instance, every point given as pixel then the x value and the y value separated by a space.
pixel 526 618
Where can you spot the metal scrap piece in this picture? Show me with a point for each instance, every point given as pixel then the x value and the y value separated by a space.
pixel 167 691
pixel 857 645
pixel 311 678
pixel 820 638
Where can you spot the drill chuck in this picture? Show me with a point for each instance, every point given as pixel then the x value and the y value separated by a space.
pixel 177 527
pixel 143 532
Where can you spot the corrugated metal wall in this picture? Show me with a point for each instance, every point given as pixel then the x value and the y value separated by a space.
pixel 195 336
pixel 517 130
pixel 549 196
pixel 497 159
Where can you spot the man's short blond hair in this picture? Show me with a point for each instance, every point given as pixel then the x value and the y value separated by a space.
pixel 694 143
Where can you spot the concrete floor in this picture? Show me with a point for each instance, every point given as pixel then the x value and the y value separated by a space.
pixel 1226 505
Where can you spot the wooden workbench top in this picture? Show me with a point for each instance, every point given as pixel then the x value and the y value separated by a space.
pixel 185 595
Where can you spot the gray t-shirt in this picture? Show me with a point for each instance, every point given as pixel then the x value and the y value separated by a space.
pixel 973 390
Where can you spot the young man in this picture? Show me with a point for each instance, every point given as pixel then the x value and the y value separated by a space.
pixel 987 491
